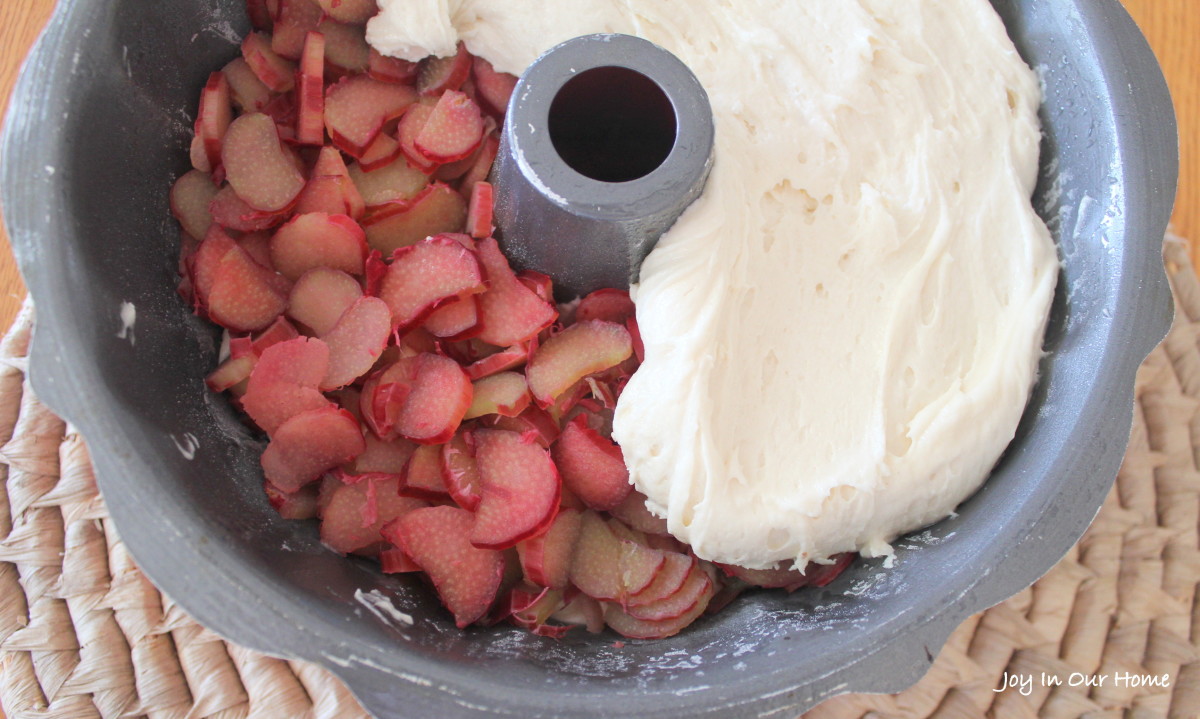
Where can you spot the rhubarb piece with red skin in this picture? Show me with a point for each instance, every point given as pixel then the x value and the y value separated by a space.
pixel 503 393
pixel 455 320
pixel 330 189
pixel 452 131
pixel 243 295
pixel 191 195
pixel 346 49
pixel 505 359
pixel 460 471
pixel 248 93
pixel 204 262
pixel 492 88
pixel 319 240
pixel 320 296
pixel 435 75
pixel 425 275
pixel 546 558
pixel 310 92
pixel 278 331
pixel 482 167
pixel 230 373
pixel 394 561
pixel 214 116
pixel 422 398
pixel 231 212
pixel 344 519
pixel 509 312
pixel 591 466
pixel 198 156
pixel 308 444
pixel 262 15
pixel 396 180
pixel 465 576
pixel 584 611
pixel 356 108
pixel 301 504
pixel 284 382
pixel 610 305
pixel 294 20
pixel 276 73
pixel 606 567
pixel 257 166
pixel 520 489
pixel 423 474
pixel 383 150
pixel 627 625
pixel 696 585
pixel 533 423
pixel 479 211
pixel 409 128
pixel 353 12
pixel 676 570
pixel 632 511
pixel 380 457
pixel 582 349
pixel 391 69
pixel 356 341
pixel 436 209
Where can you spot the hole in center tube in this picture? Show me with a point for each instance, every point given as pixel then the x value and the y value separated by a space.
pixel 612 124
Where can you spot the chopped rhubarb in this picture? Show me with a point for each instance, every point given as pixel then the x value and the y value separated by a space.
pixel 391 69
pixel 344 519
pixel 308 444
pixel 482 168
pixel 295 19
pixel 382 151
pixel 248 93
pixel 436 209
pixel 354 12
pixel 504 393
pixel 479 211
pixel 301 504
pixel 505 359
pixel 423 474
pixel 546 558
pixel 584 611
pixel 533 423
pixel 610 305
pixel 346 48
pixel 243 296
pixel 591 466
pixel 582 349
pixel 695 586
pixel 284 382
pixel 320 296
pixel 520 489
pixel 438 74
pixel 356 341
pixel 439 399
pixel 231 212
pixel 214 116
pixel 273 71
pixel 198 155
pixel 452 131
pixel 624 623
pixel 258 246
pixel 262 15
pixel 319 240
pixel 396 180
pixel 677 568
pixel 278 331
pixel 509 312
pixel 191 195
pixel 605 566
pixel 310 92
pixel 465 576
pixel 407 131
pixel 207 258
pixel 427 274
pixel 257 166
pixel 380 457
pixel 456 320
pixel 230 373
pixel 356 107
pixel 492 89
pixel 541 285
pixel 460 472
pixel 632 511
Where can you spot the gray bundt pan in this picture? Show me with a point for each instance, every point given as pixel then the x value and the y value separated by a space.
pixel 96 135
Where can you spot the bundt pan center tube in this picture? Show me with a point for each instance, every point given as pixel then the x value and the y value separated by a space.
pixel 607 140
pixel 98 131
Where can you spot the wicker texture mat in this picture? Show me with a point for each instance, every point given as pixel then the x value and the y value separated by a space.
pixel 84 634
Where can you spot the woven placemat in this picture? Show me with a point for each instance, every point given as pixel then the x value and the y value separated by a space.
pixel 1112 630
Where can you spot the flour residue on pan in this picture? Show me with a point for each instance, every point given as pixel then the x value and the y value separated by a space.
pixel 381 606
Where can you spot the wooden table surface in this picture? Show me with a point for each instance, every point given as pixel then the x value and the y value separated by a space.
pixel 1172 27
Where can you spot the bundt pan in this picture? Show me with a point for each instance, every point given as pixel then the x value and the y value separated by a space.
pixel 97 133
